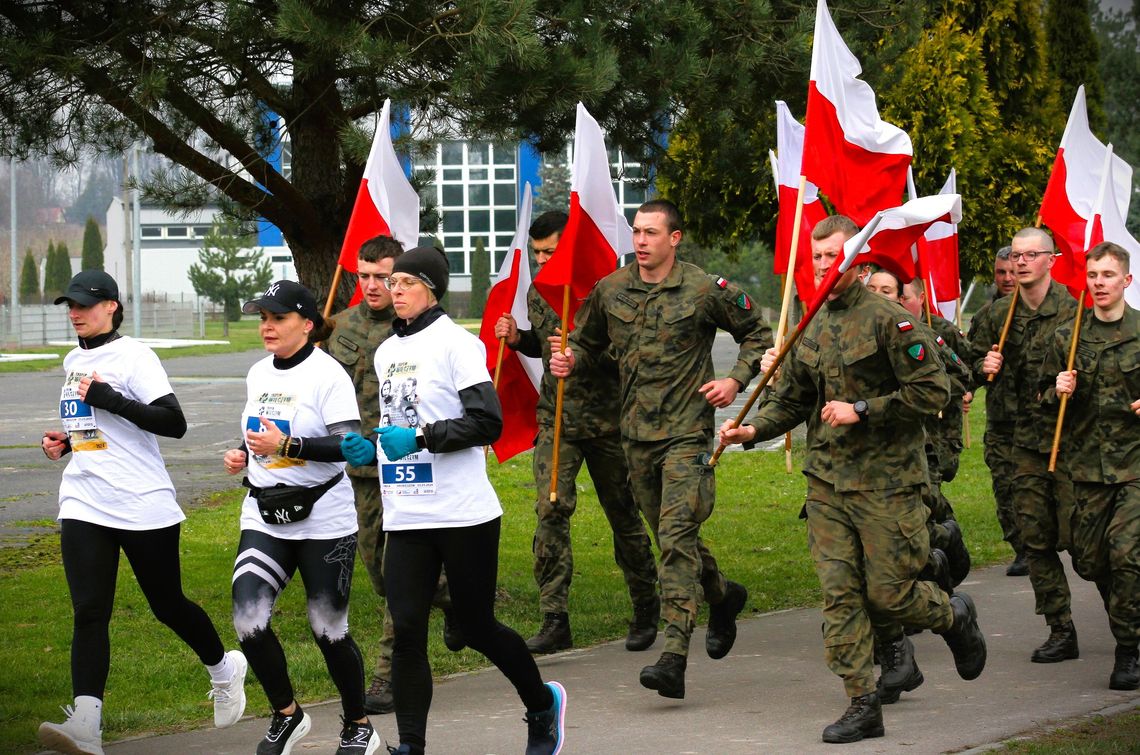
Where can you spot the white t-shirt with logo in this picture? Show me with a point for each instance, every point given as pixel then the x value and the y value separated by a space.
pixel 116 476
pixel 303 401
pixel 426 371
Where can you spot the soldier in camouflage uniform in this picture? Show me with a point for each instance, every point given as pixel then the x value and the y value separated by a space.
pixel 590 408
pixel 1043 499
pixel 1101 448
pixel 1001 409
pixel 863 377
pixel 358 332
pixel 660 317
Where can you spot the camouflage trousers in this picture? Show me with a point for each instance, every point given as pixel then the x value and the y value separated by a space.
pixel 553 554
pixel 868 548
pixel 1044 504
pixel 999 458
pixel 1106 550
pixel 676 490
pixel 370 546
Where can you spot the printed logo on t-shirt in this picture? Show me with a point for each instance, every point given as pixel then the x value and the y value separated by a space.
pixel 78 417
pixel 400 407
pixel 281 410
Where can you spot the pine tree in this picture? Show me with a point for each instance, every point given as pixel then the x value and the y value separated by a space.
pixel 553 193
pixel 1074 56
pixel 480 279
pixel 227 273
pixel 29 280
pixel 61 271
pixel 92 246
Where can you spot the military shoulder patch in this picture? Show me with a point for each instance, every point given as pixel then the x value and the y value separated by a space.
pixel 904 326
pixel 721 283
pixel 917 352
pixel 939 340
pixel 744 302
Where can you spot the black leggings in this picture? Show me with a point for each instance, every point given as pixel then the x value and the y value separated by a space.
pixel 264 565
pixel 91 563
pixel 412 560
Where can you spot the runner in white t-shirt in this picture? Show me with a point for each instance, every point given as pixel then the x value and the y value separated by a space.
pixel 116 495
pixel 299 513
pixel 439 507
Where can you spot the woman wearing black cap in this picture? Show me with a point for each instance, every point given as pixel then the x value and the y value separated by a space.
pixel 439 507
pixel 116 494
pixel 299 513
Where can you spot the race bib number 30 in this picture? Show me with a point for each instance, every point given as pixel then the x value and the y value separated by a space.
pixel 413 478
pixel 73 412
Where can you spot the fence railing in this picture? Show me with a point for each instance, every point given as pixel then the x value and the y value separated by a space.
pixel 40 324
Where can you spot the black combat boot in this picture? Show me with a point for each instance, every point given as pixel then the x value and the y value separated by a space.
pixel 1125 674
pixel 1019 567
pixel 667 676
pixel 378 697
pixel 553 636
pixel 643 629
pixel 937 570
pixel 722 621
pixel 1061 645
pixel 965 639
pixel 863 720
pixel 900 671
pixel 956 553
pixel 452 634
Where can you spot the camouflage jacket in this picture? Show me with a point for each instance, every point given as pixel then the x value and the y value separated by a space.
pixel 590 406
pixel 1029 341
pixel 955 351
pixel 662 336
pixel 1101 434
pixel 1001 402
pixel 353 343
pixel 860 346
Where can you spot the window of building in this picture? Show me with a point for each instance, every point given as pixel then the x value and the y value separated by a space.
pixel 177 231
pixel 152 231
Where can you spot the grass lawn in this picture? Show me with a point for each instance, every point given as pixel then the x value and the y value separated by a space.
pixel 1096 735
pixel 157 685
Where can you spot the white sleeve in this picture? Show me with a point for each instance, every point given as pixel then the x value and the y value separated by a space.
pixel 468 362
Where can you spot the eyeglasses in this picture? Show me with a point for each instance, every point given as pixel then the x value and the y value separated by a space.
pixel 401 284
pixel 1029 256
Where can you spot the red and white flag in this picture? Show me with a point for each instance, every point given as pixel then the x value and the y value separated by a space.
pixel 519 376
pixel 386 203
pixel 858 160
pixel 597 232
pixel 887 240
pixel 1075 181
pixel 1107 224
pixel 938 259
pixel 786 172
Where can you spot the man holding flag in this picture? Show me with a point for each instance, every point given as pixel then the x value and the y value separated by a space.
pixel 660 315
pixel 590 410
pixel 864 377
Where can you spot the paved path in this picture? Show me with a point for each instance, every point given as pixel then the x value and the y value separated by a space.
pixel 772 694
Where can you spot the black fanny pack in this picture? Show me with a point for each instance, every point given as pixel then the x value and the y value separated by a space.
pixel 286 504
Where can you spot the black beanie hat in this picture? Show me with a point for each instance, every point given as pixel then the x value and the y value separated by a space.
pixel 426 263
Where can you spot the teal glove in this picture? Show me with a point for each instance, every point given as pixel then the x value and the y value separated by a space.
pixel 358 451
pixel 397 442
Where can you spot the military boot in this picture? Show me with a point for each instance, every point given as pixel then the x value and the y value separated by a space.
pixel 667 676
pixel 956 553
pixel 937 570
pixel 965 639
pixel 643 629
pixel 863 720
pixel 1019 567
pixel 721 633
pixel 900 671
pixel 1061 645
pixel 553 636
pixel 1125 674
pixel 378 697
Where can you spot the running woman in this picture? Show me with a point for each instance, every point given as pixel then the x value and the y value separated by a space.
pixel 116 495
pixel 439 507
pixel 298 515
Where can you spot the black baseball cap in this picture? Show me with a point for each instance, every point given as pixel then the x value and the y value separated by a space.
pixel 286 296
pixel 90 287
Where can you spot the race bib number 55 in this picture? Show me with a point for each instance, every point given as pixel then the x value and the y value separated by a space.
pixel 413 478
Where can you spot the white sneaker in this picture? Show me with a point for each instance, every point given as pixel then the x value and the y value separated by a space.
pixel 229 697
pixel 78 735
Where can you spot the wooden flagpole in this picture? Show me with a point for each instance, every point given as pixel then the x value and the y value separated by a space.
pixel 1065 399
pixel 332 289
pixel 785 305
pixel 558 400
pixel 965 417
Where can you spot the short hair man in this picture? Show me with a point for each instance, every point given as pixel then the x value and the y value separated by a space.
pixel 863 377
pixel 1102 448
pixel 1042 498
pixel 590 408
pixel 659 316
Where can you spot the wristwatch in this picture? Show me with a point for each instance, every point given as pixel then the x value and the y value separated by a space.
pixel 860 408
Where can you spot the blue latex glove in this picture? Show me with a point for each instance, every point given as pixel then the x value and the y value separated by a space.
pixel 357 450
pixel 397 442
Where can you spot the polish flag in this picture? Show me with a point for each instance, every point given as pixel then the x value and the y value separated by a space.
pixel 597 232
pixel 887 240
pixel 386 203
pixel 938 259
pixel 1074 184
pixel 519 375
pixel 786 171
pixel 1107 224
pixel 858 160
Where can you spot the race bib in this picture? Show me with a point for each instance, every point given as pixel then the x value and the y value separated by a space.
pixel 407 477
pixel 281 410
pixel 78 418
